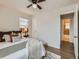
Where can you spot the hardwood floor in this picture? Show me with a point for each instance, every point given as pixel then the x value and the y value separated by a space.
pixel 53 50
pixel 66 51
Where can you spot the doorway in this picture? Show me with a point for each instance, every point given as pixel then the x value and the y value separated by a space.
pixel 67 41
pixel 66 30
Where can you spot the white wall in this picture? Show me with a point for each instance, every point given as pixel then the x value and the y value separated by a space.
pixel 46 25
pixel 9 18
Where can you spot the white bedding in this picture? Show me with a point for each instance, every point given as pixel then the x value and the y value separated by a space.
pixel 8 44
pixel 22 54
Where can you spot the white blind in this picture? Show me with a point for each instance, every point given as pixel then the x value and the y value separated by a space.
pixel 23 22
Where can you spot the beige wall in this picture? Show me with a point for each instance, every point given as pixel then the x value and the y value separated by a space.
pixel 9 19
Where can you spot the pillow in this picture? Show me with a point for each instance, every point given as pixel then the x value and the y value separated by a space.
pixel 7 38
pixel 16 38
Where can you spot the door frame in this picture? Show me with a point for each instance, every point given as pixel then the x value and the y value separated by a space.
pixel 61 25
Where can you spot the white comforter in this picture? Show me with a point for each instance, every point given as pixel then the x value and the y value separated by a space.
pixel 21 54
pixel 35 49
pixel 24 53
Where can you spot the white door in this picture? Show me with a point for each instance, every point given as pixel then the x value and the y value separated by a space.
pixel 76 31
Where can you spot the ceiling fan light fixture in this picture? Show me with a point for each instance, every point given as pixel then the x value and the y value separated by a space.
pixel 34 5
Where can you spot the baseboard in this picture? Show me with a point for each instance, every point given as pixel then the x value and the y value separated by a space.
pixel 57 47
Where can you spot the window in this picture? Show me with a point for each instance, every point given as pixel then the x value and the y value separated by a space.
pixel 24 23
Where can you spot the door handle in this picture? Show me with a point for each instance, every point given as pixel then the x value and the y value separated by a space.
pixel 75 36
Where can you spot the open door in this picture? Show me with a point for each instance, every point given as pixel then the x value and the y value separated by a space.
pixel 76 31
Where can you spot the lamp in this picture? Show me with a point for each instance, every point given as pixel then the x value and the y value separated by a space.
pixel 34 5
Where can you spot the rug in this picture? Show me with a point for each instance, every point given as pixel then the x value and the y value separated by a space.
pixel 51 56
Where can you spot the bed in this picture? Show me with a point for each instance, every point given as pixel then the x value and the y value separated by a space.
pixel 17 50
pixel 7 48
pixel 22 54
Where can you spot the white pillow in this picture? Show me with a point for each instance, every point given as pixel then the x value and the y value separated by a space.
pixel 7 38
pixel 16 38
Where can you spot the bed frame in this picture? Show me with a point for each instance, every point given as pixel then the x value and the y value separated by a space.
pixel 7 33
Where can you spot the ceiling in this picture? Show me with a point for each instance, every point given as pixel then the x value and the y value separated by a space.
pixel 20 5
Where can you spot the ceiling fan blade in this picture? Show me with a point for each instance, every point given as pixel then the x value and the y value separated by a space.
pixel 39 6
pixel 41 1
pixel 29 5
pixel 33 1
pixel 30 0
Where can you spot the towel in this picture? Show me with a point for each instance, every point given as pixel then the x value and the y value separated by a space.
pixel 35 49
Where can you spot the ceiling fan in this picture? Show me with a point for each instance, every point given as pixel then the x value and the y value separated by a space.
pixel 35 3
